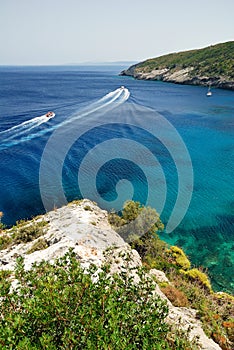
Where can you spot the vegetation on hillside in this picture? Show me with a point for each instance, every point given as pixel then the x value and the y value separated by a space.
pixel 59 306
pixel 136 222
pixel 22 232
pixel 188 286
pixel 216 60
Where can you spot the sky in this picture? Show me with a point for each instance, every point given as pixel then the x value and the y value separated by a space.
pixel 54 32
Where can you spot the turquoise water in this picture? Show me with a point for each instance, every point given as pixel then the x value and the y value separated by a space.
pixel 101 136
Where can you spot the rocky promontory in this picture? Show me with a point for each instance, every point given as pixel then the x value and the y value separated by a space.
pixel 84 227
pixel 211 66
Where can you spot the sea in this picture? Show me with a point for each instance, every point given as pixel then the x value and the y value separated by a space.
pixel 113 139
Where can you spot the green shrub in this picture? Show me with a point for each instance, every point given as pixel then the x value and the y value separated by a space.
pixel 38 245
pixel 2 226
pixel 215 310
pixel 180 258
pixel 42 223
pixel 5 284
pixel 115 220
pixel 4 274
pixel 190 287
pixel 87 207
pixel 75 201
pixel 5 241
pixel 136 223
pixel 151 248
pixel 199 276
pixel 61 307
pixel 27 233
pixel 23 232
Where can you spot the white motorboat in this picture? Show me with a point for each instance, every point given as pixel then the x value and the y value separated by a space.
pixel 209 93
pixel 50 115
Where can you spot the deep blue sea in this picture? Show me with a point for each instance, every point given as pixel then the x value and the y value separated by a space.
pixel 169 146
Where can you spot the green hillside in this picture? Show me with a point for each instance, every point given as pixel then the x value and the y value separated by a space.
pixel 215 60
pixel 213 65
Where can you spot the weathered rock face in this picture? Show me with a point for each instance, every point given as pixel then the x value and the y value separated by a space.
pixel 85 228
pixel 179 76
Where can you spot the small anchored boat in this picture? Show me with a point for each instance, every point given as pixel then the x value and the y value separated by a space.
pixel 209 93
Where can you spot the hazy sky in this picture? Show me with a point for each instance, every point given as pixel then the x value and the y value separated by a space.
pixel 74 31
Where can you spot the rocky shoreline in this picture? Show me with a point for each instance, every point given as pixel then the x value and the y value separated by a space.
pixel 178 76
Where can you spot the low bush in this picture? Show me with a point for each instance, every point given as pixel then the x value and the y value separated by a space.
pixel 40 244
pixel 4 274
pixel 191 287
pixel 75 201
pixel 61 307
pixel 199 276
pixel 2 226
pixel 177 297
pixel 136 224
pixel 23 233
pixel 5 241
pixel 213 309
pixel 88 208
pixel 179 257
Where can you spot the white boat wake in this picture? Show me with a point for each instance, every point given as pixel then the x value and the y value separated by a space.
pixel 23 132
pixel 109 101
pixel 23 128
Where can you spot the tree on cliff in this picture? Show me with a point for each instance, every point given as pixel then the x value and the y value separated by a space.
pixel 137 224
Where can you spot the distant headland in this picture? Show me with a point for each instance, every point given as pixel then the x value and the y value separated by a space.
pixel 210 66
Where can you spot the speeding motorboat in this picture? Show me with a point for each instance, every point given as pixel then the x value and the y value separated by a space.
pixel 50 115
pixel 122 87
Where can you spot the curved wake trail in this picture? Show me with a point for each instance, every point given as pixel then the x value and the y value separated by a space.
pixel 24 128
pixel 107 102
pixel 21 133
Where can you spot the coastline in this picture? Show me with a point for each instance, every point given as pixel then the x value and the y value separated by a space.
pixel 180 76
pixel 209 66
